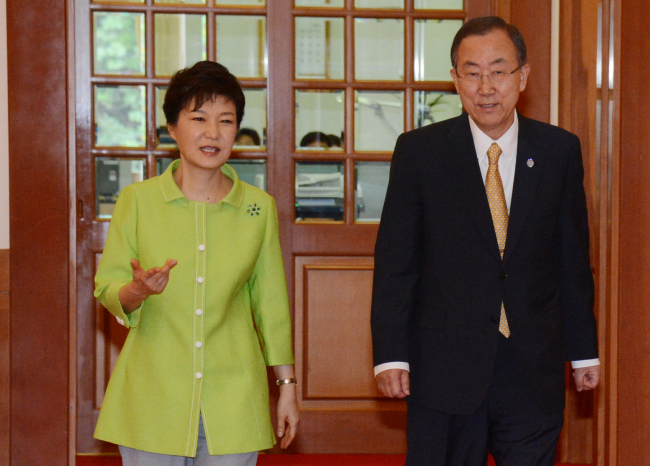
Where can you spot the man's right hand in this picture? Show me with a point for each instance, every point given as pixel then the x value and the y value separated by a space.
pixel 394 383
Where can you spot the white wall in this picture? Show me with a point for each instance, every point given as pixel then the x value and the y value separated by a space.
pixel 4 132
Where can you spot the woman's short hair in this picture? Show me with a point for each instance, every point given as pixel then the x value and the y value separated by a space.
pixel 483 25
pixel 196 85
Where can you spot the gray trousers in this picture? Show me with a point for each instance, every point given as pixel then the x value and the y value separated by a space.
pixel 131 457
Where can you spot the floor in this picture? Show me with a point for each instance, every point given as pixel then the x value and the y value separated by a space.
pixel 289 460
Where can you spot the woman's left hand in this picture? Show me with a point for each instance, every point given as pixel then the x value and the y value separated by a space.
pixel 288 414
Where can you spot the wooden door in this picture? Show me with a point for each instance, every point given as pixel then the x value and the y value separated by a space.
pixel 358 71
pixel 384 69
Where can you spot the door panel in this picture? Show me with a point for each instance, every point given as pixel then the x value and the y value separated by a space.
pixel 332 334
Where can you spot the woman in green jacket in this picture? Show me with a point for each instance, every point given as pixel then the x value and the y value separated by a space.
pixel 192 266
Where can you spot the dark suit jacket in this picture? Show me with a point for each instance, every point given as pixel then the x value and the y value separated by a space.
pixel 439 279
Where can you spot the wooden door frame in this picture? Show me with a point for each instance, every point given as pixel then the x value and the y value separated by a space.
pixel 42 223
pixel 40 231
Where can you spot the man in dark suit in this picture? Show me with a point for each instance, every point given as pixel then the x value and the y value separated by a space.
pixel 482 282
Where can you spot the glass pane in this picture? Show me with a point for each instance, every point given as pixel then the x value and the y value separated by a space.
pixel 379 4
pixel 431 107
pixel 241 45
pixel 242 2
pixel 163 139
pixel 320 119
pixel 120 116
pixel 433 38
pixel 111 176
pixel 180 2
pixel 320 188
pixel 252 132
pixel 162 163
pixel 378 49
pixel 321 3
pixel 438 4
pixel 320 50
pixel 119 43
pixel 378 119
pixel 181 41
pixel 372 181
pixel 251 171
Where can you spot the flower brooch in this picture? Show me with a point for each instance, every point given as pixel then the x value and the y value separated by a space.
pixel 253 210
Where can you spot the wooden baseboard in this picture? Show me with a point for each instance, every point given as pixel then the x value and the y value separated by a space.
pixel 292 460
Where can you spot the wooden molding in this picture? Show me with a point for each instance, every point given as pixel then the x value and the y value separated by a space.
pixel 628 410
pixel 39 231
pixel 578 114
pixel 5 360
pixel 4 270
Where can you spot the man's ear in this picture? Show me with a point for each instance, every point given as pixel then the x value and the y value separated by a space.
pixel 454 76
pixel 525 70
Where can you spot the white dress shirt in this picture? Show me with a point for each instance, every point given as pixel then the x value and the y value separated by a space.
pixel 507 164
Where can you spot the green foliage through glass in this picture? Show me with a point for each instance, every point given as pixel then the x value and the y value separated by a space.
pixel 119 43
pixel 120 116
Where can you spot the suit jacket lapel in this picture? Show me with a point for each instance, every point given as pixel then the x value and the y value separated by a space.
pixel 525 184
pixel 466 174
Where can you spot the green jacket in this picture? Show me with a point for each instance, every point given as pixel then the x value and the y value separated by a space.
pixel 202 346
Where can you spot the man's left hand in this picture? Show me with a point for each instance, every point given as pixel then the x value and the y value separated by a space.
pixel 587 378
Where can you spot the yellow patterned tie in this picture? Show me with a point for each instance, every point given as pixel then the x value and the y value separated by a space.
pixel 499 210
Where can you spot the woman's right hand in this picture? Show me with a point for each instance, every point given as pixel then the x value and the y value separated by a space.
pixel 144 284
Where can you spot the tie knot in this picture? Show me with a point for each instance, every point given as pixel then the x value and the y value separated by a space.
pixel 494 152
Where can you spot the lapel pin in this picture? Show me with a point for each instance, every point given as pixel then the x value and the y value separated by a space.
pixel 253 210
pixel 530 163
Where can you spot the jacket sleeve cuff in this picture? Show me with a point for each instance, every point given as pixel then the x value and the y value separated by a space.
pixel 585 363
pixel 132 319
pixel 391 365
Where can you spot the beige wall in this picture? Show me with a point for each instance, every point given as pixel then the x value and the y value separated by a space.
pixel 4 133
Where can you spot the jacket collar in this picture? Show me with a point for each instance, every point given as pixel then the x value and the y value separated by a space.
pixel 463 167
pixel 172 192
pixel 526 181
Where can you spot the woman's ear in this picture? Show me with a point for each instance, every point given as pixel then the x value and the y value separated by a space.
pixel 172 131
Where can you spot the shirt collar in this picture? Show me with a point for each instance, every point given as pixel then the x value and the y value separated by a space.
pixel 171 191
pixel 507 142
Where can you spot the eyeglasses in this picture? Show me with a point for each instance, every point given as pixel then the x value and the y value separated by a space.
pixel 497 77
